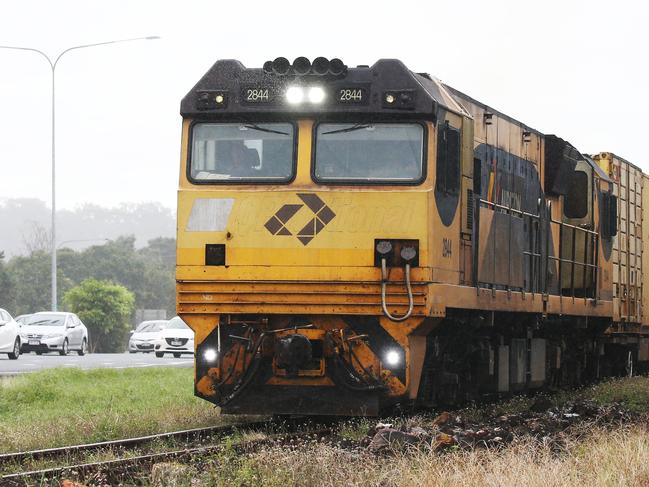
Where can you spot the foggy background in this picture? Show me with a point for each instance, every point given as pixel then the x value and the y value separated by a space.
pixel 576 69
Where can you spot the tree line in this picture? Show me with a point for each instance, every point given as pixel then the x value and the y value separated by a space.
pixel 103 284
pixel 29 220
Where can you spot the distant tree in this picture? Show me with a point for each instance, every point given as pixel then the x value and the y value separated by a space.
pixel 36 238
pixel 161 250
pixel 144 220
pixel 147 272
pixel 160 275
pixel 7 291
pixel 106 309
pixel 31 282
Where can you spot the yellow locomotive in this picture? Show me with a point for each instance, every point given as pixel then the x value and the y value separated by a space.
pixel 352 238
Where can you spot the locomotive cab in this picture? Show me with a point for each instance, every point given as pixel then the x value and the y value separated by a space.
pixel 305 230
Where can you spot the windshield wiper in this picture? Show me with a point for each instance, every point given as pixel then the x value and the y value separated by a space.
pixel 353 128
pixel 262 129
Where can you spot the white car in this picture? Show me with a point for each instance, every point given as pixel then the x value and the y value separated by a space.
pixel 21 319
pixel 176 338
pixel 9 335
pixel 54 332
pixel 145 335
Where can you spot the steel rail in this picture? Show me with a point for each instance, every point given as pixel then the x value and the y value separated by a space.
pixel 122 466
pixel 6 458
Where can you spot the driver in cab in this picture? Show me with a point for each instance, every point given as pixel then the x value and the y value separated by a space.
pixel 239 161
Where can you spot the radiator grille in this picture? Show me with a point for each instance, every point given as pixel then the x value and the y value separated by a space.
pixel 469 209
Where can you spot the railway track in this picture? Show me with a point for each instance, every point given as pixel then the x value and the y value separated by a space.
pixel 196 433
pixel 124 469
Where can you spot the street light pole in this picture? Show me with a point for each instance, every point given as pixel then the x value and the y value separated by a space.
pixel 53 65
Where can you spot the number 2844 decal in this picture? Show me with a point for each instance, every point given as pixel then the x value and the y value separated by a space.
pixel 352 95
pixel 257 95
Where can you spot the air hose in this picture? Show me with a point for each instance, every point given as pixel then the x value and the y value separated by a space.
pixel 248 374
pixel 384 285
pixel 341 373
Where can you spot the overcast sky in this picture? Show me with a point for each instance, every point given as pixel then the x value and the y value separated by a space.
pixel 574 68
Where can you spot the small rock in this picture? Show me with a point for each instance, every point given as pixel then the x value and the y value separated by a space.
pixel 443 418
pixel 442 440
pixel 418 431
pixel 481 433
pixel 390 438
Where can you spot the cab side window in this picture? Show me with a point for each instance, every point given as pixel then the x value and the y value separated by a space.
pixel 448 160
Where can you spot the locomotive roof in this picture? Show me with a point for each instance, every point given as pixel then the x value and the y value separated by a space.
pixel 620 159
pixel 599 172
pixel 463 96
pixel 417 96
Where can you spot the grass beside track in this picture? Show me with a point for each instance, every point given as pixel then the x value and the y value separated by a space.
pixel 69 406
pixel 632 393
pixel 600 459
pixel 594 456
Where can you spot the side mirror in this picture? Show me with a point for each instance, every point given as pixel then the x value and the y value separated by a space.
pixel 70 325
pixel 3 323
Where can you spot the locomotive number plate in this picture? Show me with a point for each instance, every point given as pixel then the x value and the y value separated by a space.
pixel 256 95
pixel 358 95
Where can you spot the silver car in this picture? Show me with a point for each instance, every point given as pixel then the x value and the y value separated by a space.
pixel 54 332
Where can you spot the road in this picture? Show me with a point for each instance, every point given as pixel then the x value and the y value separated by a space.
pixel 31 362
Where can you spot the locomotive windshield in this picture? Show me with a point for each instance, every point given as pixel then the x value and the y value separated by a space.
pixel 379 152
pixel 242 152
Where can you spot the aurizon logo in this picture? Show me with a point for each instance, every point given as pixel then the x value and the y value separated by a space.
pixel 322 215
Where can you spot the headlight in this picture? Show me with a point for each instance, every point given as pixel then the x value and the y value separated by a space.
pixel 54 335
pixel 392 358
pixel 294 95
pixel 210 355
pixel 316 94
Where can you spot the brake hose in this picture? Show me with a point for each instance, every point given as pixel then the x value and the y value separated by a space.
pixel 384 285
